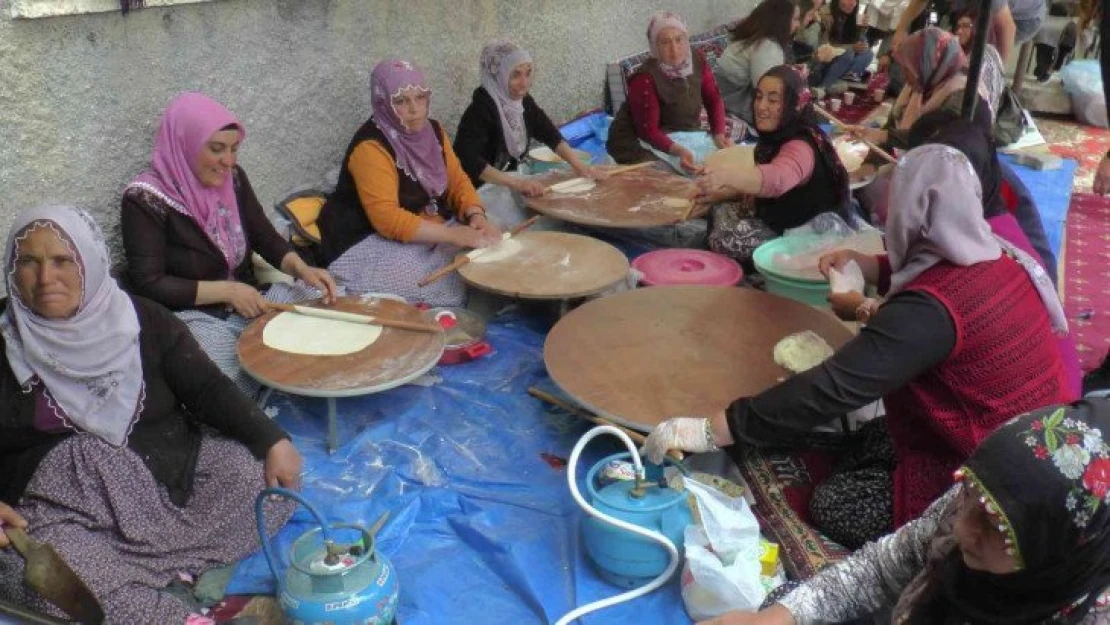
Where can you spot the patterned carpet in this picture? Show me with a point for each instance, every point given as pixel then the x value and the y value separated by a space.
pixel 1086 258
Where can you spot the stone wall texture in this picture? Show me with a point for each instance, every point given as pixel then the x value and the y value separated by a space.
pixel 80 95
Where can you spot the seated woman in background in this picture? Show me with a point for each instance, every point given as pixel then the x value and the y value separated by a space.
pixel 759 42
pixel 797 175
pixel 1012 22
pixel 127 450
pixel 1023 538
pixel 502 119
pixel 964 341
pixel 189 225
pixel 667 94
pixel 403 206
pixel 841 30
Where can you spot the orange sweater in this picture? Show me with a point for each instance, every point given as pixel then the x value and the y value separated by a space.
pixel 375 175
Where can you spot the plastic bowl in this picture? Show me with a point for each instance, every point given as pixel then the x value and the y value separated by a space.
pixel 813 292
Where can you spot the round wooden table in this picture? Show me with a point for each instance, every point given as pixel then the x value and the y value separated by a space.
pixel 397 357
pixel 643 356
pixel 551 265
pixel 637 199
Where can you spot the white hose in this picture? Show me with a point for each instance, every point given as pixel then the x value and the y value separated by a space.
pixel 672 551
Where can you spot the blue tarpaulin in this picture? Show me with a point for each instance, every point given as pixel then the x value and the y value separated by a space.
pixel 482 527
pixel 1051 190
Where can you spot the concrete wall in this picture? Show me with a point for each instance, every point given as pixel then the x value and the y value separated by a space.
pixel 80 95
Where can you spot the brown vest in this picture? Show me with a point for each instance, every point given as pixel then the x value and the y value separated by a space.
pixel 680 107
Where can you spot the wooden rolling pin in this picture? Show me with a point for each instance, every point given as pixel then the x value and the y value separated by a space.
pixel 339 315
pixel 636 437
pixel 839 124
pixel 466 258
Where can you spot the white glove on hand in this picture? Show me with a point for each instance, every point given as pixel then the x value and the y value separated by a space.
pixel 690 434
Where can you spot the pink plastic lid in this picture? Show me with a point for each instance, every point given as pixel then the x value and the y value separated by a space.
pixel 683 266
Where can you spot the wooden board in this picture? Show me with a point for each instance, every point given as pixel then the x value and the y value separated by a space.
pixel 642 356
pixel 551 265
pixel 631 200
pixel 397 357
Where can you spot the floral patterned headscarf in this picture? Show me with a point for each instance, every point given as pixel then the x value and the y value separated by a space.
pixel 1044 479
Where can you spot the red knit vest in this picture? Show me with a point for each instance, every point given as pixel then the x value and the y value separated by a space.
pixel 1005 362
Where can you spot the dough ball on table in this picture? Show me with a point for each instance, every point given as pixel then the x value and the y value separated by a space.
pixel 802 351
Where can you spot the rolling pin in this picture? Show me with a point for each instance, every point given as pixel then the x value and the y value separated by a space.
pixel 467 257
pixel 839 124
pixel 636 437
pixel 339 315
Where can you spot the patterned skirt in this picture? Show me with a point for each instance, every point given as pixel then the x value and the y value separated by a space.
pixel 379 265
pixel 116 527
pixel 736 231
pixel 219 338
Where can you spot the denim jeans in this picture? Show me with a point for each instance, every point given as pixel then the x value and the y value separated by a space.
pixel 851 61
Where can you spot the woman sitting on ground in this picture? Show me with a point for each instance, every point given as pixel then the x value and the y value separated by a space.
pixel 126 449
pixel 759 42
pixel 964 341
pixel 667 94
pixel 403 206
pixel 190 223
pixel 1023 538
pixel 797 173
pixel 844 53
pixel 502 119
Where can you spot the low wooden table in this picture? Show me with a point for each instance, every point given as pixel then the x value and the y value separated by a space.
pixel 551 266
pixel 643 356
pixel 397 357
pixel 637 199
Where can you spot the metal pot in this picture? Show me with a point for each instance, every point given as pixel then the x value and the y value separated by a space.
pixel 465 334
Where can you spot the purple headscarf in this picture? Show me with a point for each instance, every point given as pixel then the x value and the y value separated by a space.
pixel 498 61
pixel 667 19
pixel 418 152
pixel 188 123
pixel 89 363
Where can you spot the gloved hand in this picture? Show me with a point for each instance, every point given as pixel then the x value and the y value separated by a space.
pixel 690 434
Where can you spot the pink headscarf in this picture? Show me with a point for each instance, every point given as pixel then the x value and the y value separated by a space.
pixel 418 153
pixel 659 21
pixel 188 123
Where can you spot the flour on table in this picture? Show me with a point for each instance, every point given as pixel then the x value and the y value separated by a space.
pixel 676 202
pixel 501 251
pixel 312 336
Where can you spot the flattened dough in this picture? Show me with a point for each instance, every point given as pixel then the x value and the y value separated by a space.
pixel 734 156
pixel 676 202
pixel 574 185
pixel 313 336
pixel 501 251
pixel 802 351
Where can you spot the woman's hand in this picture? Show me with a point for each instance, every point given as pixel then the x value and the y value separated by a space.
pixel 715 182
pixel 685 158
pixel 869 265
pixel 320 280
pixel 8 516
pixel 528 187
pixel 283 465
pixel 845 305
pixel 1102 176
pixel 774 615
pixel 722 141
pixel 482 223
pixel 465 236
pixel 245 300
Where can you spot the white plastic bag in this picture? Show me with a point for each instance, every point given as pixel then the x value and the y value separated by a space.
pixel 722 556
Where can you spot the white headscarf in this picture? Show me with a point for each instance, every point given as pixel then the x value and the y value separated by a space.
pixel 499 58
pixel 936 214
pixel 89 363
pixel 659 21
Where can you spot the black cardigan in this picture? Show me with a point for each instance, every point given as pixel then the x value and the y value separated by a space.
pixel 168 253
pixel 480 140
pixel 184 391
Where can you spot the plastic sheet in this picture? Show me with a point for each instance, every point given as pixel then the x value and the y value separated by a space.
pixel 1051 191
pixel 482 527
